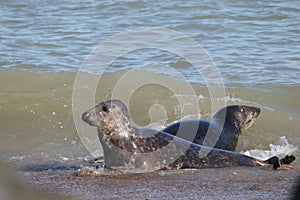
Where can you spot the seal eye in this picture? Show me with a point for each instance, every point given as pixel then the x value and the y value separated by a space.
pixel 105 108
pixel 242 110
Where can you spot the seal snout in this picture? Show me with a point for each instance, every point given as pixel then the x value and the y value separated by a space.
pixel 87 117
pixel 256 111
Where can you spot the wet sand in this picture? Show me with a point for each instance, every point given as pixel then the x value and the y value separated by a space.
pixel 225 183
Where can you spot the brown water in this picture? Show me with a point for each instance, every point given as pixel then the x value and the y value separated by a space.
pixel 37 122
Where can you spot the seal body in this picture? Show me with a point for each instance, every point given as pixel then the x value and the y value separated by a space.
pixel 221 132
pixel 130 148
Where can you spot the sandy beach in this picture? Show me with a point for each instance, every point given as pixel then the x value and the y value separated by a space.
pixel 225 183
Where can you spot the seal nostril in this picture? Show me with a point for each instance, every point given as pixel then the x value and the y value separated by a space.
pixel 85 115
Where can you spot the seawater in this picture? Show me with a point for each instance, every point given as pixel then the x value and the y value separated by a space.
pixel 254 45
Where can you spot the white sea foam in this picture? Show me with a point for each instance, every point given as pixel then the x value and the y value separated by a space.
pixel 281 149
pixel 232 98
pixel 228 98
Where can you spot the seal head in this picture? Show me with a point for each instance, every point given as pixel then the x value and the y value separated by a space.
pixel 239 116
pixel 105 112
pixel 222 131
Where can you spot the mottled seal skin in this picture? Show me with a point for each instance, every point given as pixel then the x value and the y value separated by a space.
pixel 127 147
pixel 226 125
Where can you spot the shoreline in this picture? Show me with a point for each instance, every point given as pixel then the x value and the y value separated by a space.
pixel 220 183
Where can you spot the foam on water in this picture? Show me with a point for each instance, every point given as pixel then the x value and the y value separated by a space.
pixel 231 98
pixel 281 149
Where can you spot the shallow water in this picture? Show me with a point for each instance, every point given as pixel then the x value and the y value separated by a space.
pixel 255 46
pixel 37 124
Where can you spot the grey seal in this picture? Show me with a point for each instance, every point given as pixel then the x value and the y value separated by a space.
pixel 228 123
pixel 130 148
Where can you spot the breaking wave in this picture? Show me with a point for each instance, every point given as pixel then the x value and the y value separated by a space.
pixel 281 149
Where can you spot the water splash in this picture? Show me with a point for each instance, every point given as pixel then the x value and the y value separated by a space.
pixel 281 149
pixel 229 98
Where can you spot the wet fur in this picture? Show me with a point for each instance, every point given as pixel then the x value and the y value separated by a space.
pixel 236 119
pixel 129 147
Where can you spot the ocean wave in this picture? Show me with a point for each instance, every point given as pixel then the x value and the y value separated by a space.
pixel 229 98
pixel 281 149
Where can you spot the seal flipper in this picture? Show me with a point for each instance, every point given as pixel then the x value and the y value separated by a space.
pixel 275 161
pixel 280 163
pixel 287 160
